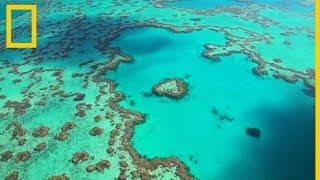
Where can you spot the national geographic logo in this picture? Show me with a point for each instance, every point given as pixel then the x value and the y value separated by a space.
pixel 21 7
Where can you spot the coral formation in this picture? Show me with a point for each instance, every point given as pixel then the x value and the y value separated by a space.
pixel 173 88
pixel 59 177
pixel 21 142
pixel 63 135
pixel 96 131
pixel 5 156
pixel 13 176
pixel 254 132
pixel 80 156
pixel 18 130
pixel 68 126
pixel 100 166
pixel 41 131
pixel 40 146
pixel 22 156
pixel 79 97
pixel 97 118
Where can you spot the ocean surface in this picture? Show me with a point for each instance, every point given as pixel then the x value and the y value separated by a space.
pixel 82 105
pixel 17 13
pixel 292 5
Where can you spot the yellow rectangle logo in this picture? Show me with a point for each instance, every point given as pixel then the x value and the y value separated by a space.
pixel 33 43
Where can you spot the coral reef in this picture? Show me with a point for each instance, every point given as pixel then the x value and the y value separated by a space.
pixel 59 177
pixel 18 130
pixel 80 156
pixel 22 156
pixel 96 131
pixel 68 126
pixel 63 135
pixel 21 142
pixel 110 150
pixel 41 131
pixel 40 146
pixel 13 176
pixel 100 166
pixel 79 97
pixel 5 156
pixel 97 118
pixel 173 88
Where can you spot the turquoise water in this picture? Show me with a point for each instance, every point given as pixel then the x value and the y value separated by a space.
pixel 214 148
pixel 292 5
pixel 39 4
pixel 22 33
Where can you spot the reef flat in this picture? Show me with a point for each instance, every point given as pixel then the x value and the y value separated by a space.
pixel 81 106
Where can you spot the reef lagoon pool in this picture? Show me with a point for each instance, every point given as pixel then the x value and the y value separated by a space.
pixel 207 128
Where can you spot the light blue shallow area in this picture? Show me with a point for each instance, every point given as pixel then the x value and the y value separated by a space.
pixel 188 128
pixel 210 4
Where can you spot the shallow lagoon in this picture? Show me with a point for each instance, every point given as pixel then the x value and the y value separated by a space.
pixel 211 147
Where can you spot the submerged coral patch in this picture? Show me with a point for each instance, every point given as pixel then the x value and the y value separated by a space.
pixel 22 156
pixel 40 146
pixel 5 156
pixel 100 166
pixel 80 157
pixel 59 177
pixel 254 132
pixel 96 131
pixel 41 131
pixel 13 176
